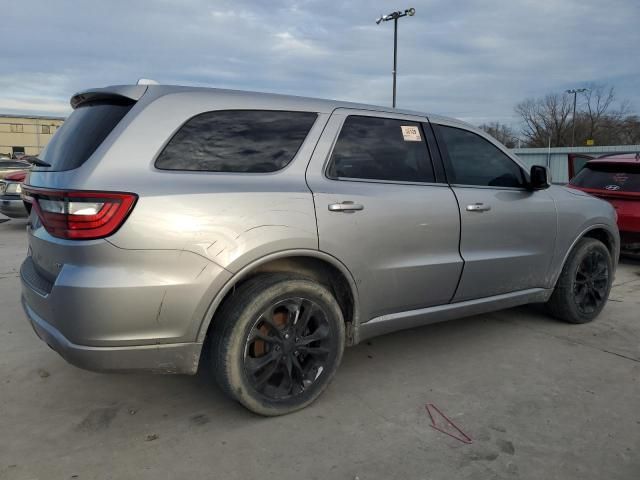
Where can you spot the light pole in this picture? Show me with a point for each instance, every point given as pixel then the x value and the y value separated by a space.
pixel 410 12
pixel 575 92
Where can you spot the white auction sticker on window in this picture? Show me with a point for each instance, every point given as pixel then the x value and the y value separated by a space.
pixel 410 133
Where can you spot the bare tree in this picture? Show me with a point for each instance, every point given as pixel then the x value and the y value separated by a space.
pixel 501 132
pixel 599 109
pixel 599 116
pixel 629 131
pixel 545 120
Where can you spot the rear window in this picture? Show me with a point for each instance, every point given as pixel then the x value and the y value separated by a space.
pixel 615 177
pixel 249 141
pixel 82 133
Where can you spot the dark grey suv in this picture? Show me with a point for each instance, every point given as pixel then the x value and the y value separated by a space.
pixel 261 234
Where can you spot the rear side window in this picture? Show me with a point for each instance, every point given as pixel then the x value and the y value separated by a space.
pixel 82 133
pixel 373 148
pixel 250 141
pixel 474 160
pixel 615 177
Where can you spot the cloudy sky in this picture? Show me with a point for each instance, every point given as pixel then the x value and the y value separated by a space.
pixel 471 59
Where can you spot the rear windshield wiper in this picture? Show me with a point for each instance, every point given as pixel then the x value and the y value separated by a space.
pixel 37 162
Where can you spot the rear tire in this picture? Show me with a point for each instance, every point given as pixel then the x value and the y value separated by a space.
pixel 277 342
pixel 584 284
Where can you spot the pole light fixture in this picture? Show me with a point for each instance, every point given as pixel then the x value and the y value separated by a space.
pixel 409 12
pixel 575 92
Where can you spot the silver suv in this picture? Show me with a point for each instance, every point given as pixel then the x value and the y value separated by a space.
pixel 260 234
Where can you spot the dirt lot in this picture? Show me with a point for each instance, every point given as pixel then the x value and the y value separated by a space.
pixel 540 399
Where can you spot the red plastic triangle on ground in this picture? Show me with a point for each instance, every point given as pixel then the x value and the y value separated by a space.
pixel 431 409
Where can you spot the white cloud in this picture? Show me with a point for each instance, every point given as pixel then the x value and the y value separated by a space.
pixel 285 41
pixel 470 58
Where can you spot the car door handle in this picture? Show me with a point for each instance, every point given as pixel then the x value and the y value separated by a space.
pixel 345 207
pixel 478 207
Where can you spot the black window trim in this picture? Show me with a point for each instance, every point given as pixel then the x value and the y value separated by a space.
pixel 211 172
pixel 447 160
pixel 375 114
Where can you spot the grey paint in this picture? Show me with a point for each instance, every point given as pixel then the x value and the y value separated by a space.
pixel 145 297
pixel 402 248
pixel 440 313
pixel 507 247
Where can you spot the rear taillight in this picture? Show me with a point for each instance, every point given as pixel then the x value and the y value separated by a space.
pixel 81 214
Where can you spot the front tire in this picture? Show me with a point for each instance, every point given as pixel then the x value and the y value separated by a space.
pixel 277 342
pixel 584 284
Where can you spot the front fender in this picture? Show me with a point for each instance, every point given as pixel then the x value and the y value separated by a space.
pixel 579 214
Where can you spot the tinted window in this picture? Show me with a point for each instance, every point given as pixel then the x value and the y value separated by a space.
pixel 252 141
pixel 476 161
pixel 621 177
pixel 82 133
pixel 381 149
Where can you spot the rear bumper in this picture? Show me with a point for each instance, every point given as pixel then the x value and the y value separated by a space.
pixel 13 207
pixel 105 308
pixel 166 358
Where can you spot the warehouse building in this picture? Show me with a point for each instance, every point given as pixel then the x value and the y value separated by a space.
pixel 26 134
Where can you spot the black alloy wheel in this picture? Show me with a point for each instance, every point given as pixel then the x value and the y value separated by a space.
pixel 590 286
pixel 277 341
pixel 287 347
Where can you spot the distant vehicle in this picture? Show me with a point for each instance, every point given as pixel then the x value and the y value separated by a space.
pixel 11 203
pixel 616 178
pixel 8 166
pixel 260 234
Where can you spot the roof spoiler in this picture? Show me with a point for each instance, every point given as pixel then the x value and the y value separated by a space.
pixel 131 93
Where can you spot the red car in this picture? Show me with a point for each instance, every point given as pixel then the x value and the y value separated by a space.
pixel 616 178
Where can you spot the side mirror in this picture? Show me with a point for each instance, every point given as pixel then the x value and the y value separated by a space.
pixel 540 178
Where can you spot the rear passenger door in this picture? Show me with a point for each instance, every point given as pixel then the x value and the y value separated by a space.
pixel 383 213
pixel 508 232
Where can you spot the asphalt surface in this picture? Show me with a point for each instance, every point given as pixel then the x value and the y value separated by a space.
pixel 540 399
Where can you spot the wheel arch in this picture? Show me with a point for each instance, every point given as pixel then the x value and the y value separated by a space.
pixel 312 263
pixel 600 232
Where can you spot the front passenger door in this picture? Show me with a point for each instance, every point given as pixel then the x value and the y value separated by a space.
pixel 507 231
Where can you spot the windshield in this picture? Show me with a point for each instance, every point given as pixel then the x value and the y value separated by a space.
pixel 615 177
pixel 82 133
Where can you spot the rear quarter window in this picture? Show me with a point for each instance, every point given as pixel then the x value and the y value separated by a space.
pixel 82 133
pixel 249 141
pixel 620 177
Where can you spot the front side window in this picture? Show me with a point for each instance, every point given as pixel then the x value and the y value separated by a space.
pixel 373 148
pixel 474 160
pixel 249 141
